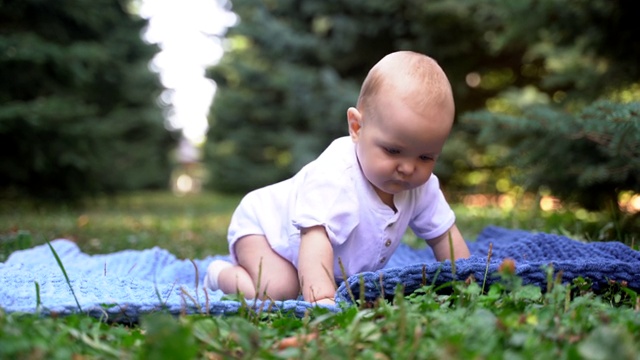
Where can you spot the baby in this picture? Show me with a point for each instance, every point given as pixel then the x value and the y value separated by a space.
pixel 349 208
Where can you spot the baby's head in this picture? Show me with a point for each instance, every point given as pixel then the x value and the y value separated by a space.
pixel 404 114
pixel 412 77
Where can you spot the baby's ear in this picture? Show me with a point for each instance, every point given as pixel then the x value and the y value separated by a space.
pixel 354 119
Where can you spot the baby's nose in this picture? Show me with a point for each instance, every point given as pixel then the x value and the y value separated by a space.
pixel 406 167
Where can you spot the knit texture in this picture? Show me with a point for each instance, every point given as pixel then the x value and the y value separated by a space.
pixel 599 262
pixel 124 285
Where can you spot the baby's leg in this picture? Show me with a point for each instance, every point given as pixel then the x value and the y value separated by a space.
pixel 259 265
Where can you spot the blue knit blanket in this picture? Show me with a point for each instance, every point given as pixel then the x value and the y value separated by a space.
pixel 123 285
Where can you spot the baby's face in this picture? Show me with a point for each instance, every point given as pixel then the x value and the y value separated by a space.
pixel 398 144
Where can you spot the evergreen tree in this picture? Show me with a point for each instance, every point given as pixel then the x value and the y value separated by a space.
pixel 588 157
pixel 77 100
pixel 278 105
pixel 554 133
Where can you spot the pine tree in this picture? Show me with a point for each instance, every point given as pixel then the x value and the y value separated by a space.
pixel 588 157
pixel 77 101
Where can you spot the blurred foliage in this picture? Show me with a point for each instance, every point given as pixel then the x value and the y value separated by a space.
pixel 281 99
pixel 292 68
pixel 596 150
pixel 574 134
pixel 77 101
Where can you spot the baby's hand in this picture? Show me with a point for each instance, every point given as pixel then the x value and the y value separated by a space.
pixel 326 301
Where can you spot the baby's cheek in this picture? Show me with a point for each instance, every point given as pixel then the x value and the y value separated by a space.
pixel 424 177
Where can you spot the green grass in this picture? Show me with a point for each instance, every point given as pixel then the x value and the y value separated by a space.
pixel 457 321
pixel 190 226
pixel 512 322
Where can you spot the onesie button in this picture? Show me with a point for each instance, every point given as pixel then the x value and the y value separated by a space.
pixel 387 243
pixel 382 259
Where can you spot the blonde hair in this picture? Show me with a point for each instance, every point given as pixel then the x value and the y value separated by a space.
pixel 415 77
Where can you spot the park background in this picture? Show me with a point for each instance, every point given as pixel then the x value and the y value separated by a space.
pixel 547 95
pixel 546 139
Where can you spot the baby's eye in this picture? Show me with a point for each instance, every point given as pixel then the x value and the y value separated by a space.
pixel 425 158
pixel 392 151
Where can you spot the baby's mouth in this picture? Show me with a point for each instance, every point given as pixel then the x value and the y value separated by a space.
pixel 399 183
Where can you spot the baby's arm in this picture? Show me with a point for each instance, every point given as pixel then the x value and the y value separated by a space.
pixel 440 245
pixel 315 266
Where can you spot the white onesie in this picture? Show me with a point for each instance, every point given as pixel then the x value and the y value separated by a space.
pixel 332 191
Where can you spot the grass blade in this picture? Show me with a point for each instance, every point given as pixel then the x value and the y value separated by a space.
pixel 452 256
pixel 346 283
pixel 38 301
pixel 486 270
pixel 64 272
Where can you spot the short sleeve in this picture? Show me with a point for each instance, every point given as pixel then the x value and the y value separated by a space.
pixel 325 196
pixel 433 215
